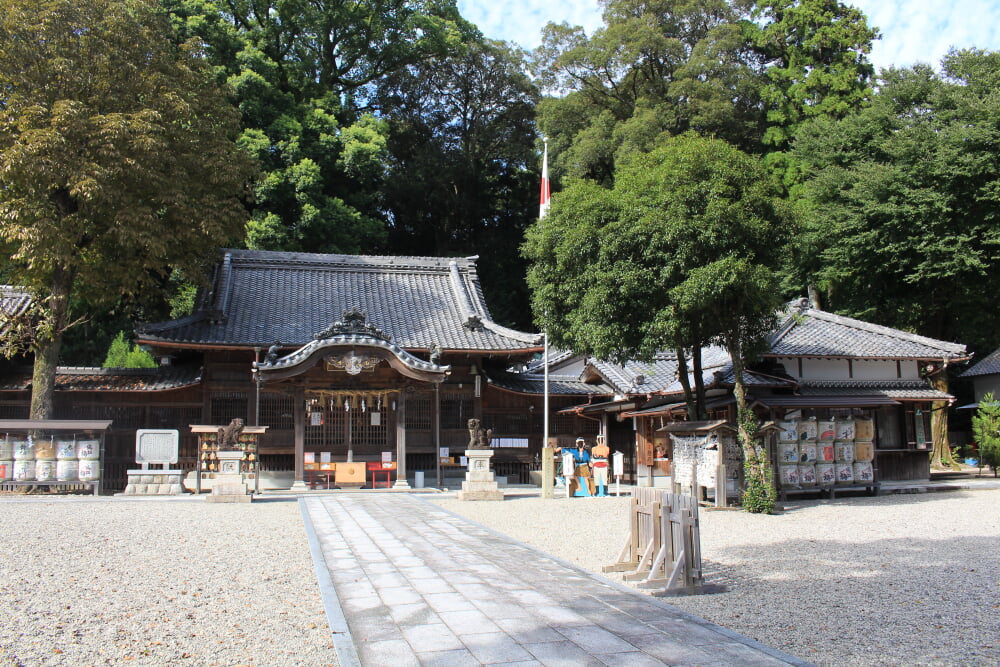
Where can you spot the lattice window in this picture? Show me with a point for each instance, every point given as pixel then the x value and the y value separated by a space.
pixel 14 411
pixel 418 412
pixel 227 406
pixel 513 423
pixel 277 411
pixel 562 424
pixel 171 417
pixel 456 410
pixel 364 434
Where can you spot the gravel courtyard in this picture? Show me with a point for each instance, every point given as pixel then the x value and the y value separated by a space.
pixel 909 579
pixel 114 582
pixel 893 580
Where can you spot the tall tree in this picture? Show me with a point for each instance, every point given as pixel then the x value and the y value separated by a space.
pixel 901 202
pixel 303 75
pixel 462 176
pixel 118 159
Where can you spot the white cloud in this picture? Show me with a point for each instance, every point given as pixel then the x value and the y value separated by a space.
pixel 914 31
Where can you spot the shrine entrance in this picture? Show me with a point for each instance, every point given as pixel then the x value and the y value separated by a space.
pixel 340 411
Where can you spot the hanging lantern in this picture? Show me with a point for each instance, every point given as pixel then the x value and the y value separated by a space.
pixel 363 406
pixel 393 405
pixel 347 405
pixel 380 402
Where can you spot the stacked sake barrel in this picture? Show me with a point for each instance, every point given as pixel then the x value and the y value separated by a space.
pixel 825 452
pixel 47 459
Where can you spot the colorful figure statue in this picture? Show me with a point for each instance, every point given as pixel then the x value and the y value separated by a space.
pixel 584 482
pixel 599 463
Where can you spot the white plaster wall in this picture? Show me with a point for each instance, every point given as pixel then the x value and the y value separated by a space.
pixel 824 369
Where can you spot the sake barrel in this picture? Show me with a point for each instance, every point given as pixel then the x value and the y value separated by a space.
pixel 24 470
pixel 67 470
pixel 826 473
pixel 826 430
pixel 807 475
pixel 89 470
pixel 65 448
pixel 845 473
pixel 88 449
pixel 863 471
pixel 789 431
pixel 807 430
pixel 788 452
pixel 844 452
pixel 825 453
pixel 789 475
pixel 807 452
pixel 845 429
pixel 864 451
pixel 864 429
pixel 6 449
pixel 6 470
pixel 45 450
pixel 23 451
pixel 45 471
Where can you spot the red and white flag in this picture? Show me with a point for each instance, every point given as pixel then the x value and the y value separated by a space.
pixel 543 207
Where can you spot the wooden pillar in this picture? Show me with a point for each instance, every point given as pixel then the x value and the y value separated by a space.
pixel 300 437
pixel 437 432
pixel 401 482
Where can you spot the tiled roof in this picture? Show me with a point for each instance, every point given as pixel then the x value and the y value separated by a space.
pixel 259 297
pixel 110 379
pixel 898 389
pixel 807 332
pixel 13 302
pixel 989 365
pixel 534 383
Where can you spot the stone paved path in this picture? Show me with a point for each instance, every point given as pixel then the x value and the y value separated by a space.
pixel 418 585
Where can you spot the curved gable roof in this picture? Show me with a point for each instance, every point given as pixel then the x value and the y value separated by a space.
pixel 257 297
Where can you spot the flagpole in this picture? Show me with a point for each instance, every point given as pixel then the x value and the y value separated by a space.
pixel 543 208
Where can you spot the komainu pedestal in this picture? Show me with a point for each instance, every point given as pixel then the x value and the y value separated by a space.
pixel 479 483
pixel 229 486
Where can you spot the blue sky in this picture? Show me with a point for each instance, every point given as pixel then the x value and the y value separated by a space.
pixel 914 31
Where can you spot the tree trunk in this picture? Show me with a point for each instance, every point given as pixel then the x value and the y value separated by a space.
pixel 699 384
pixel 48 347
pixel 682 375
pixel 941 456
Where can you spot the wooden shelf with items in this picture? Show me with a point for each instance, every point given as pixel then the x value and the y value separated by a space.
pixel 208 449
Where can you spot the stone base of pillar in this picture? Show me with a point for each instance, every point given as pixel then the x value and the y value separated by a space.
pixel 479 482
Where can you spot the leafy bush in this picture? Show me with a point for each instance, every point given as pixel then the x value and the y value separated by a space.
pixel 120 355
pixel 986 430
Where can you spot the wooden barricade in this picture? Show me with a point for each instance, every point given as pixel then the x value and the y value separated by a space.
pixel 663 548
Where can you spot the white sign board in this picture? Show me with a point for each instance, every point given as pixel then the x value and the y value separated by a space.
pixel 618 464
pixel 156 446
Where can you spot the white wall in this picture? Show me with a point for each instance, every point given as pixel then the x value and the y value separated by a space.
pixel 856 369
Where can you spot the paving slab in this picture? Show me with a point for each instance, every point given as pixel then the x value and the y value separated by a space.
pixel 416 584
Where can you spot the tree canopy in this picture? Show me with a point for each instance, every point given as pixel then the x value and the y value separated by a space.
pixel 901 202
pixel 118 161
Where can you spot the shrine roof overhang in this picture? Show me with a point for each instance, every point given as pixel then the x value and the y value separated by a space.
pixel 352 353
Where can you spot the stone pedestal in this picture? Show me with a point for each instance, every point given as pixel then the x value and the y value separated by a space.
pixel 229 485
pixel 479 482
pixel 154 482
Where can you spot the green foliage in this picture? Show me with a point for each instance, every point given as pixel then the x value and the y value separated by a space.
pixel 120 355
pixel 462 174
pixel 299 72
pixel 117 159
pixel 986 431
pixel 815 53
pixel 759 495
pixel 684 238
pixel 902 199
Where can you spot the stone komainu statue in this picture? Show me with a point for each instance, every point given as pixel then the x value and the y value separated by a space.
pixel 479 438
pixel 229 436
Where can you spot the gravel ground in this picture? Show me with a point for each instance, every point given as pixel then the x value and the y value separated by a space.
pixel 153 582
pixel 893 580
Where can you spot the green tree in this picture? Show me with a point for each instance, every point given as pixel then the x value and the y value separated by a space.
pixel 303 74
pixel 120 355
pixel 816 58
pixel 901 203
pixel 117 160
pixel 986 431
pixel 462 175
pixel 676 255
